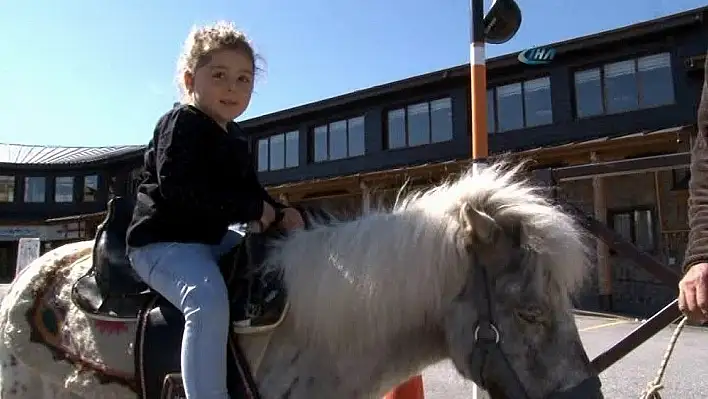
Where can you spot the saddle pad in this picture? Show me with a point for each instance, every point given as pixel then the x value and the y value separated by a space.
pixel 48 333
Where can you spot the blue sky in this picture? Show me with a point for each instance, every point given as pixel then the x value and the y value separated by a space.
pixel 94 73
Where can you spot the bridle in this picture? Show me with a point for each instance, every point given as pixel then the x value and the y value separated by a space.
pixel 487 343
pixel 488 358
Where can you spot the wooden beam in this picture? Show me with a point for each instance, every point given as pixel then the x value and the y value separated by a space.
pixel 623 167
pixel 633 142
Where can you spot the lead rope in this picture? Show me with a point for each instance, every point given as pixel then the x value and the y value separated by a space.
pixel 653 387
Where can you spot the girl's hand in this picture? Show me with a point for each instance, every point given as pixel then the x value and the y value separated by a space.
pixel 292 219
pixel 268 215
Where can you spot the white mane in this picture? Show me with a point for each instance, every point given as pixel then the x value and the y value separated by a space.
pixel 355 283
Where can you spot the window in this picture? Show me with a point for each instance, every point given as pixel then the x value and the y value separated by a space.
pixel 588 93
pixel 279 151
pixel 520 105
pixel 491 114
pixel 90 188
pixel 340 139
pixel 538 110
pixel 7 188
pixel 419 124
pixel 636 226
pixel 623 86
pixel 657 81
pixel 35 188
pixel 620 87
pixel 64 189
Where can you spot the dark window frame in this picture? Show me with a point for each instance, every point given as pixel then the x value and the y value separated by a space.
pixel 11 179
pixel 57 179
pixel 613 212
pixel 495 110
pixel 601 67
pixel 85 189
pixel 26 180
pixel 404 107
pixel 326 123
pixel 267 139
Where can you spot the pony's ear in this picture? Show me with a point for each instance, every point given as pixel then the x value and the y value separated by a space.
pixel 477 226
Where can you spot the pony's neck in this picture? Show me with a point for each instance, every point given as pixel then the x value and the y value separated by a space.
pixel 290 369
pixel 365 306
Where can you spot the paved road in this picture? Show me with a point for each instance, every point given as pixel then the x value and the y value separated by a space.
pixel 686 374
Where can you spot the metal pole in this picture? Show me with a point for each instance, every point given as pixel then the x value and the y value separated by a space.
pixel 479 147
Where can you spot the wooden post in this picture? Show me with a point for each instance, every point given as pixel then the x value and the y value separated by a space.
pixel 479 139
pixel 604 271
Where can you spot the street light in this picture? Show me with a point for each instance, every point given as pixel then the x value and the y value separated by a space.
pixel 499 25
pixel 502 22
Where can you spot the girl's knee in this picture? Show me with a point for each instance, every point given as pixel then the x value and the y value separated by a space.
pixel 209 299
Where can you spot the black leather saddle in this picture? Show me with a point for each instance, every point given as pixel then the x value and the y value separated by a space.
pixel 160 328
pixel 111 288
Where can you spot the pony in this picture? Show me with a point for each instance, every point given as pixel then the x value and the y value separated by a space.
pixel 479 269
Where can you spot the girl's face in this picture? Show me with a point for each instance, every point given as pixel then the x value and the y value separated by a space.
pixel 222 84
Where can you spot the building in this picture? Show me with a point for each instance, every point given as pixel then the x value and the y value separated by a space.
pixel 628 93
pixel 39 183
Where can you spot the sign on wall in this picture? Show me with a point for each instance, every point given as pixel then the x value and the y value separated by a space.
pixel 14 233
pixel 537 56
pixel 44 233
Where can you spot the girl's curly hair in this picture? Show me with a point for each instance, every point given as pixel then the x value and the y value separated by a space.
pixel 203 41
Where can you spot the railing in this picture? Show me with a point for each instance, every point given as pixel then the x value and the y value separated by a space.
pixel 667 275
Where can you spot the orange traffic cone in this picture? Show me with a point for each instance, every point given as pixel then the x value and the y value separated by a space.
pixel 411 389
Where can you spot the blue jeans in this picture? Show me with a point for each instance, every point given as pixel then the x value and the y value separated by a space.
pixel 187 275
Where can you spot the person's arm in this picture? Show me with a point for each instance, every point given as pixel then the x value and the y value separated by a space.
pixel 187 171
pixel 262 192
pixel 697 248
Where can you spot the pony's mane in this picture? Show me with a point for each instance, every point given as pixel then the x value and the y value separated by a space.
pixel 503 192
pixel 339 274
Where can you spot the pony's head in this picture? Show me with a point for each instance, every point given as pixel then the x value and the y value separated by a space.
pixel 510 326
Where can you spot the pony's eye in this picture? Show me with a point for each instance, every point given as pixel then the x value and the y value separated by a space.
pixel 530 315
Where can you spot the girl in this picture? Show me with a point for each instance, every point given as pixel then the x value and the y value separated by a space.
pixel 200 179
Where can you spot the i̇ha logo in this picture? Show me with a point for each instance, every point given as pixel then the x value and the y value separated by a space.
pixel 537 55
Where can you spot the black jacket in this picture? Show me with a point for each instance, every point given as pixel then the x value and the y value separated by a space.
pixel 198 180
